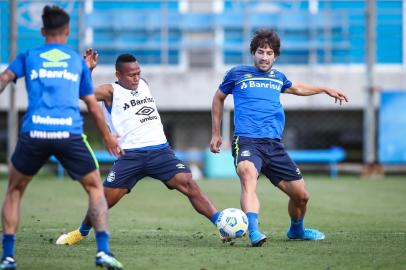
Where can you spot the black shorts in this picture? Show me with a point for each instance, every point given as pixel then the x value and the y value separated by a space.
pixel 269 157
pixel 161 164
pixel 74 153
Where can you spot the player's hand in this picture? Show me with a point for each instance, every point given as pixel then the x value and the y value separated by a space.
pixel 111 144
pixel 215 144
pixel 338 95
pixel 91 58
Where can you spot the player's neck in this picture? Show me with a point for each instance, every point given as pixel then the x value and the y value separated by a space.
pixel 60 39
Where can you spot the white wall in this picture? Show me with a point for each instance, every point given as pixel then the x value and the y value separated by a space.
pixel 193 90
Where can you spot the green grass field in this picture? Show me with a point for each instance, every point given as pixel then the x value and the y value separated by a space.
pixel 154 228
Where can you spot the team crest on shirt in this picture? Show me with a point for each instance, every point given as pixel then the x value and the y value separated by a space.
pixel 246 153
pixel 180 166
pixel 111 177
pixel 271 74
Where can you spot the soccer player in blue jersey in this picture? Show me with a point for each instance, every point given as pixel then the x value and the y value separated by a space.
pixel 56 77
pixel 259 121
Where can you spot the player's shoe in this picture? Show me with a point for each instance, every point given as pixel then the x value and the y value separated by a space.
pixel 8 263
pixel 71 238
pixel 308 234
pixel 257 238
pixel 225 239
pixel 107 261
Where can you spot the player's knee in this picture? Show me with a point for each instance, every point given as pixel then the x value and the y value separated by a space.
pixel 17 186
pixel 302 197
pixel 188 186
pixel 246 169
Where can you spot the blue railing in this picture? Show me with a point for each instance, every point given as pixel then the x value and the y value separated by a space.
pixel 335 33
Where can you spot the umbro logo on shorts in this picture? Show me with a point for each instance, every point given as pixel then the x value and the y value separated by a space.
pixel 298 171
pixel 246 153
pixel 111 177
pixel 180 166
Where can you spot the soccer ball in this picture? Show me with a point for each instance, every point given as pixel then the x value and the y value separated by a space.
pixel 232 223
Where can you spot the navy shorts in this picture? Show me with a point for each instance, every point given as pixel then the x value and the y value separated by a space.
pixel 269 157
pixel 73 152
pixel 161 164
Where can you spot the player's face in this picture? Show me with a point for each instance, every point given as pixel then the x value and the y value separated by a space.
pixel 264 58
pixel 129 75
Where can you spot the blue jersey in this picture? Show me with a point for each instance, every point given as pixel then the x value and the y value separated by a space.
pixel 258 112
pixel 55 78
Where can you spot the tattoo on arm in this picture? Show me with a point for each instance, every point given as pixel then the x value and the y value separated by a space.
pixel 6 77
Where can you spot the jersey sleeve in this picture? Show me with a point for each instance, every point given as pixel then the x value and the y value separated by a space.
pixel 286 83
pixel 86 85
pixel 18 66
pixel 228 83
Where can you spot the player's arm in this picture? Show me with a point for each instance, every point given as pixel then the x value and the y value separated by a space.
pixel 103 92
pixel 110 140
pixel 216 115
pixel 6 77
pixel 303 89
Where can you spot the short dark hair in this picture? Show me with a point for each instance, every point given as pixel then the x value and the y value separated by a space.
pixel 124 58
pixel 265 37
pixel 54 19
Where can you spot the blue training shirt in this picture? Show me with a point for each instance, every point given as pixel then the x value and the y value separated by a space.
pixel 258 112
pixel 55 77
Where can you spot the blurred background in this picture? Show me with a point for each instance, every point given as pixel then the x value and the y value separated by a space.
pixel 186 46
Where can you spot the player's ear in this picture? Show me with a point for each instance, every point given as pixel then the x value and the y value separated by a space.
pixel 67 30
pixel 43 33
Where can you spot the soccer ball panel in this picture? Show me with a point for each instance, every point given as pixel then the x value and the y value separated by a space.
pixel 232 223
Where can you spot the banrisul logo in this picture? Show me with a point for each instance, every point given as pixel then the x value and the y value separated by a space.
pixel 244 85
pixel 55 58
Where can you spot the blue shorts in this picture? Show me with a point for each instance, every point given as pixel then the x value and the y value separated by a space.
pixel 73 152
pixel 161 164
pixel 269 157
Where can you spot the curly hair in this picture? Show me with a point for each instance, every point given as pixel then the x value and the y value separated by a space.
pixel 264 37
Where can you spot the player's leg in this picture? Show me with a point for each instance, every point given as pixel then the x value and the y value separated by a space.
pixel 249 201
pixel 29 156
pixel 298 198
pixel 78 159
pixel 162 164
pixel 113 196
pixel 248 164
pixel 97 214
pixel 184 183
pixel 123 175
pixel 11 215
pixel 285 174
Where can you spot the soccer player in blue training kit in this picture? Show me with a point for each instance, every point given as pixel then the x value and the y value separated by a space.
pixel 131 112
pixel 259 122
pixel 56 77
